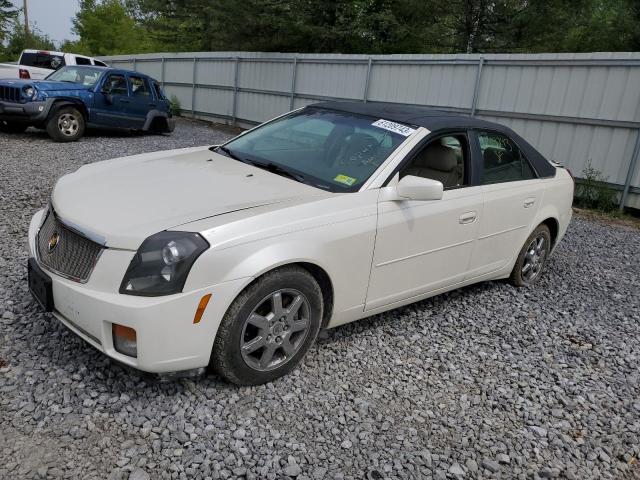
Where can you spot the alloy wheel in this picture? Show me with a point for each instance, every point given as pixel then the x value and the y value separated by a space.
pixel 534 258
pixel 275 330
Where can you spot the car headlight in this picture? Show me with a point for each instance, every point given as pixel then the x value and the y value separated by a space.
pixel 29 92
pixel 162 263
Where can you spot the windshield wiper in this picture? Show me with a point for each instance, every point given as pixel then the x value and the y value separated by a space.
pixel 279 170
pixel 270 166
pixel 227 152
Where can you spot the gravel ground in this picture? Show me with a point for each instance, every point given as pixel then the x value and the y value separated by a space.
pixel 484 382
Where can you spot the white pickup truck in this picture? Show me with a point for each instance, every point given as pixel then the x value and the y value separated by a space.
pixel 39 64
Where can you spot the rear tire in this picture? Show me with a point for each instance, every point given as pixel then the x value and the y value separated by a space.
pixel 269 327
pixel 66 124
pixel 12 127
pixel 532 258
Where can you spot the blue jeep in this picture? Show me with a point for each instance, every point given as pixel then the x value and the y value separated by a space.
pixel 76 97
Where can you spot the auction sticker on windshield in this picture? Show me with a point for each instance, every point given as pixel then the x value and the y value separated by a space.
pixel 394 127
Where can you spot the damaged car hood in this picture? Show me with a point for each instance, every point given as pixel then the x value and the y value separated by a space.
pixel 121 202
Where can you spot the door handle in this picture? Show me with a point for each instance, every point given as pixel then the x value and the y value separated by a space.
pixel 468 217
pixel 124 100
pixel 529 202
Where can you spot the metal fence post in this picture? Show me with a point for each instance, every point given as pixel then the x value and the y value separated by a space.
pixel 134 64
pixel 162 74
pixel 193 88
pixel 235 92
pixel 366 81
pixel 294 67
pixel 476 88
pixel 631 171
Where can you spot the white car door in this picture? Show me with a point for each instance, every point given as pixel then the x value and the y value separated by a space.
pixel 512 195
pixel 422 246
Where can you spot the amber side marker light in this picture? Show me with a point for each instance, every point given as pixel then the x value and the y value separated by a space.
pixel 204 301
pixel 124 340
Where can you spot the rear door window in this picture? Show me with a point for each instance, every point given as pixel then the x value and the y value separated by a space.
pixel 42 60
pixel 139 87
pixel 502 160
pixel 82 61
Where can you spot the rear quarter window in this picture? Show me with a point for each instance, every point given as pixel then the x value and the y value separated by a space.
pixel 42 60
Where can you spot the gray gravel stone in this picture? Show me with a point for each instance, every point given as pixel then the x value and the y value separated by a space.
pixel 458 379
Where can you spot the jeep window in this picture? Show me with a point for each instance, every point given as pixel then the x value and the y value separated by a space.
pixel 83 61
pixel 42 60
pixel 116 84
pixel 158 91
pixel 86 76
pixel 139 87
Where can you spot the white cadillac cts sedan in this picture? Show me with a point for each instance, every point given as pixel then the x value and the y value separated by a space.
pixel 235 256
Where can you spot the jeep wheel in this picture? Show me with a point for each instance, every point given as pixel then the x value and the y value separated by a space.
pixel 66 125
pixel 10 127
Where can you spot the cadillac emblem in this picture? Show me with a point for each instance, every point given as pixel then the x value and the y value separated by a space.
pixel 53 241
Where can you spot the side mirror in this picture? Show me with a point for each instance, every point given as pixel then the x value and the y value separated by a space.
pixel 413 188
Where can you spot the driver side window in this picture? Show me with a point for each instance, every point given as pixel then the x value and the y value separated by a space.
pixel 442 159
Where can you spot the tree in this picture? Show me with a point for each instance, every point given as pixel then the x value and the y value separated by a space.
pixel 18 42
pixel 8 13
pixel 106 28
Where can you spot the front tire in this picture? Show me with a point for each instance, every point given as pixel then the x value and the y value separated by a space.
pixel 532 258
pixel 269 327
pixel 12 127
pixel 66 125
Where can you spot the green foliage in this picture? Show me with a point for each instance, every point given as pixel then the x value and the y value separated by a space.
pixel 8 13
pixel 593 192
pixel 18 41
pixel 106 28
pixel 175 105
pixel 391 26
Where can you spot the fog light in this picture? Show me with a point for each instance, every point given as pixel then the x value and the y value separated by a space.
pixel 124 340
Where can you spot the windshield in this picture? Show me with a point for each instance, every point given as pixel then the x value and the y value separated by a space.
pixel 335 151
pixel 86 76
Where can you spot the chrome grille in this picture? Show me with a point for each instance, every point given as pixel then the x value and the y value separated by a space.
pixel 73 256
pixel 10 94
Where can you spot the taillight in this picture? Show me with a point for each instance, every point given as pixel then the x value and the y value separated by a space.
pixel 571 175
pixel 24 73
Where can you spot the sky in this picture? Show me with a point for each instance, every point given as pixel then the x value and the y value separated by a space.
pixel 52 17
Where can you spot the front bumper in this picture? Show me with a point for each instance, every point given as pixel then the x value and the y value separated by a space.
pixel 30 112
pixel 167 339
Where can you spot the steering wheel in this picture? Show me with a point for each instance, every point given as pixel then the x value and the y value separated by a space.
pixel 356 149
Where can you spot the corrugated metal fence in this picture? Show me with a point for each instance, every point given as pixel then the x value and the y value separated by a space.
pixel 577 109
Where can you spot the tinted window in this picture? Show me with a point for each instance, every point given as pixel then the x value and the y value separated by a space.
pixel 116 85
pixel 139 87
pixel 83 61
pixel 443 159
pixel 336 151
pixel 502 159
pixel 99 63
pixel 158 90
pixel 42 60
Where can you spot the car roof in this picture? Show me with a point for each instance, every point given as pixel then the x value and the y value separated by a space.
pixel 417 115
pixel 434 119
